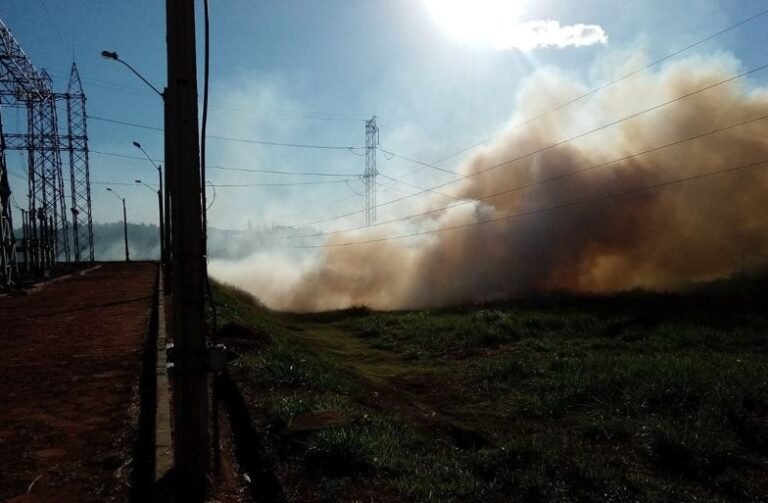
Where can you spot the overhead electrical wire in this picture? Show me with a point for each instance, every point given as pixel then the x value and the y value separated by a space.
pixel 516 126
pixel 606 85
pixel 414 186
pixel 229 185
pixel 571 204
pixel 354 195
pixel 228 168
pixel 542 181
pixel 558 143
pixel 238 140
pixel 279 184
pixel 320 116
pixel 278 172
pixel 526 122
pixel 126 184
pixel 423 164
pixel 349 186
pixel 574 100
pixel 279 144
pixel 124 123
pixel 15 203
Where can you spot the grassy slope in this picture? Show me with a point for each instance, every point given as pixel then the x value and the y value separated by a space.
pixel 646 398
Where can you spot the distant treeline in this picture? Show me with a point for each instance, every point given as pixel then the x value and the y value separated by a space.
pixel 144 241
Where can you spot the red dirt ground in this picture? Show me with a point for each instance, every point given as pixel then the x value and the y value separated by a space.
pixel 69 374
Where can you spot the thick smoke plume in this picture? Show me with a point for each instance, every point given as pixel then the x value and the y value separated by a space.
pixel 654 239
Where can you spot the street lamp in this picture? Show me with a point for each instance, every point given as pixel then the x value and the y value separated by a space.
pixel 166 249
pixel 114 57
pixel 163 251
pixel 125 223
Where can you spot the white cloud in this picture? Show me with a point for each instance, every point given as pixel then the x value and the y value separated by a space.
pixel 537 34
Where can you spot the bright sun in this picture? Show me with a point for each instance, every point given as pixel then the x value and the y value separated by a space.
pixel 477 22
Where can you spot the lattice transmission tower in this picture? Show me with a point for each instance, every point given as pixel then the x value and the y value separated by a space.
pixel 8 267
pixel 369 176
pixel 46 239
pixel 79 169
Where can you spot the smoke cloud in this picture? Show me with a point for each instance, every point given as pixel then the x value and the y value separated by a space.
pixel 655 239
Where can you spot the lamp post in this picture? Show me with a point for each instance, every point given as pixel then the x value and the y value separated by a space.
pixel 166 210
pixel 161 221
pixel 114 57
pixel 125 223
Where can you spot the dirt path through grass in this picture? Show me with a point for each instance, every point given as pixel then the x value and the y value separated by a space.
pixel 391 384
pixel 642 399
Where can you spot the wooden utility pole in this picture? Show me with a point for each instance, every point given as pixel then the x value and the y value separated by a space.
pixel 168 147
pixel 190 392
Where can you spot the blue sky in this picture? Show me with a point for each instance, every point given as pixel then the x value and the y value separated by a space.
pixel 310 71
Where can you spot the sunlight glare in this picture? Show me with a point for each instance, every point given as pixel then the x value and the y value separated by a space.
pixel 477 22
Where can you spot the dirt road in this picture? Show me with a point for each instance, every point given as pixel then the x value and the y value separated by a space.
pixel 69 375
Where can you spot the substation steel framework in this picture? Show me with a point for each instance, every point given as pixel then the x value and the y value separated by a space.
pixel 79 169
pixel 45 225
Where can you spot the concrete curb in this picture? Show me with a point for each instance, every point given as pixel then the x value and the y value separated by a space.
pixel 163 441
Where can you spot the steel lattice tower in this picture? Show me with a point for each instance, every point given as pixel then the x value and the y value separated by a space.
pixel 45 222
pixel 371 144
pixel 79 170
pixel 8 271
pixel 46 191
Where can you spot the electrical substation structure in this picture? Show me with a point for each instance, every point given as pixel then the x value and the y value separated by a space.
pixel 369 176
pixel 45 239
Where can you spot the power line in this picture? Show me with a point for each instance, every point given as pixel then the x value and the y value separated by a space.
pixel 558 143
pixel 122 156
pixel 283 184
pixel 228 138
pixel 278 144
pixel 355 195
pixel 542 181
pixel 125 184
pixel 137 91
pixel 571 204
pixel 228 185
pixel 291 113
pixel 414 186
pixel 277 172
pixel 15 203
pixel 123 123
pixel 349 186
pixel 299 114
pixel 606 85
pixel 423 164
pixel 228 168
pixel 576 99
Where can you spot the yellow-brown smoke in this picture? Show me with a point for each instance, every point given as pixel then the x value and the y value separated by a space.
pixel 654 239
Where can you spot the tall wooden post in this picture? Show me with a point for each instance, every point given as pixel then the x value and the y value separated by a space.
pixel 190 381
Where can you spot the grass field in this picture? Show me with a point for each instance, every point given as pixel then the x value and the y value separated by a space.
pixel 633 398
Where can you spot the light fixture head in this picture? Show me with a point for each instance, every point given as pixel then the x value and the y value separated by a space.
pixel 109 55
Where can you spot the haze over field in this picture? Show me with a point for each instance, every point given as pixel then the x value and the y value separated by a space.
pixel 652 239
pixel 286 134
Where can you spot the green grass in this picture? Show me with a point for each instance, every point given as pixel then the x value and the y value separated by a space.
pixel 285 364
pixel 646 398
